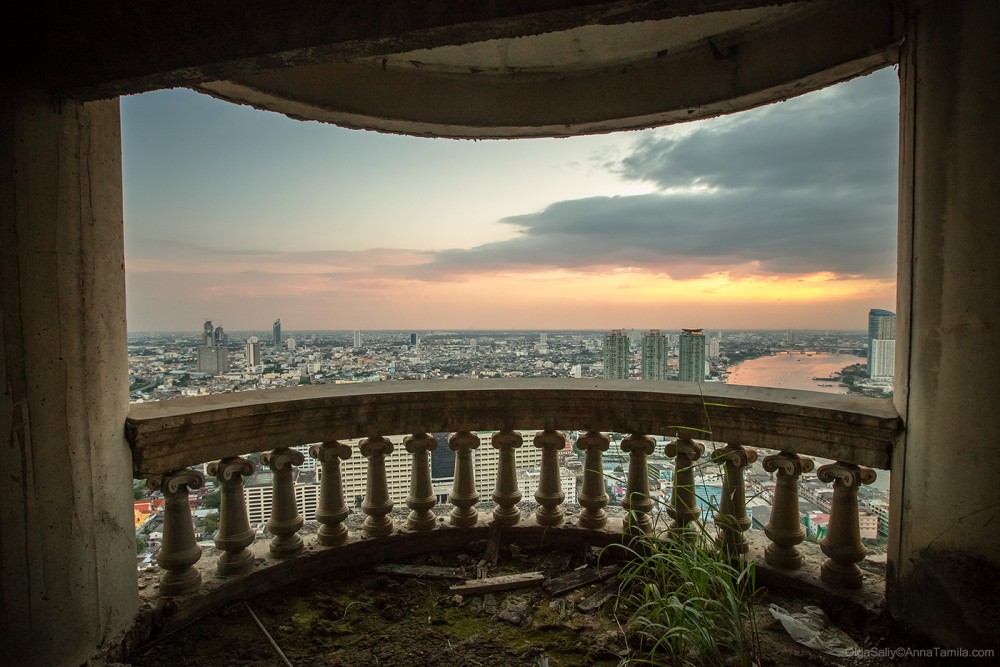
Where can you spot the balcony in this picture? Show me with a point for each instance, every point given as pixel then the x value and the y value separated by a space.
pixel 711 424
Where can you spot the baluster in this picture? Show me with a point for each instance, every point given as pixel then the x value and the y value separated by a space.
pixel 732 519
pixel 234 534
pixel 463 493
pixel 285 520
pixel 550 494
pixel 377 503
pixel 332 509
pixel 506 494
pixel 784 528
pixel 593 498
pixel 179 551
pixel 843 536
pixel 421 499
pixel 683 508
pixel 637 501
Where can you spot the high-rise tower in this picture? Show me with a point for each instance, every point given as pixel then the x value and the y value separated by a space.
pixel 206 338
pixel 881 327
pixel 883 358
pixel 213 356
pixel 616 355
pixel 357 338
pixel 276 332
pixel 253 355
pixel 692 356
pixel 654 355
pixel 714 345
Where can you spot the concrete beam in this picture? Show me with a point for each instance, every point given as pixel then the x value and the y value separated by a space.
pixel 826 43
pixel 174 434
pixel 107 48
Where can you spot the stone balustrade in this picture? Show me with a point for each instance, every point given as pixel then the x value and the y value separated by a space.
pixel 764 423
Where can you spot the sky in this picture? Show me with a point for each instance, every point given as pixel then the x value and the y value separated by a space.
pixel 779 217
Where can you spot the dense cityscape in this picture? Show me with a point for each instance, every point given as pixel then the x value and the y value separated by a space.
pixel 178 364
pixel 169 365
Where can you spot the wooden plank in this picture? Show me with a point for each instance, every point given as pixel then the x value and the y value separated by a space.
pixel 422 571
pixel 579 579
pixel 493 547
pixel 504 582
pixel 599 597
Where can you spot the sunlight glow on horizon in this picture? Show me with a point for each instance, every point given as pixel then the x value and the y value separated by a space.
pixel 241 216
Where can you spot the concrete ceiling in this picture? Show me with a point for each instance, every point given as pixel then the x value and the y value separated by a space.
pixel 455 68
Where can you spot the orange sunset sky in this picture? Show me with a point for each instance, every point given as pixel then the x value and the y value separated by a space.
pixel 780 217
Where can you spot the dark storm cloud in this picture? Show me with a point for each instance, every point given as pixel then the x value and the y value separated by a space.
pixel 839 139
pixel 804 186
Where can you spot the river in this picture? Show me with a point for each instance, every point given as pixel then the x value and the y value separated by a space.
pixel 795 370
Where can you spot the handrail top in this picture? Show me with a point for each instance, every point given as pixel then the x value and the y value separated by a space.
pixel 710 392
pixel 168 435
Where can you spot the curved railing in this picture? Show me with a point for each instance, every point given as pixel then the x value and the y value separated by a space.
pixel 170 435
pixel 167 438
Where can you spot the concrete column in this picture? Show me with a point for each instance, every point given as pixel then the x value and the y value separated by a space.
pixel 945 506
pixel 67 539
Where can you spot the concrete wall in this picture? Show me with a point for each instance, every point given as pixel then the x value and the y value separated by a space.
pixel 67 577
pixel 946 500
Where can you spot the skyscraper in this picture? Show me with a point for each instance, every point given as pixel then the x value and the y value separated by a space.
pixel 692 356
pixel 616 355
pixel 253 354
pixel 881 326
pixel 213 356
pixel 654 355
pixel 276 332
pixel 206 336
pixel 357 338
pixel 413 340
pixel 883 358
pixel 714 346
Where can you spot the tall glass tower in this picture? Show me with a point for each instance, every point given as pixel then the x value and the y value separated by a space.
pixel 276 331
pixel 654 355
pixel 692 356
pixel 616 355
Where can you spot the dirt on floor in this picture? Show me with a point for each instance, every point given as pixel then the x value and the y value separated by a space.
pixel 366 619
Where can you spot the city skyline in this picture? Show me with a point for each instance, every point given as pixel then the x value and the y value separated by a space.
pixel 781 217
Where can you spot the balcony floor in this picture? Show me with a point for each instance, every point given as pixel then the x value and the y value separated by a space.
pixel 361 618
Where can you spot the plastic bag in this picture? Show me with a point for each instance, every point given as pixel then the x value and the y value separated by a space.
pixel 812 628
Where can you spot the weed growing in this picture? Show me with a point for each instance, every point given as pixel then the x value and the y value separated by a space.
pixel 685 603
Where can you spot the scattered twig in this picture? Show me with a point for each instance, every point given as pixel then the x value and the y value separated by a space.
pixel 270 639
